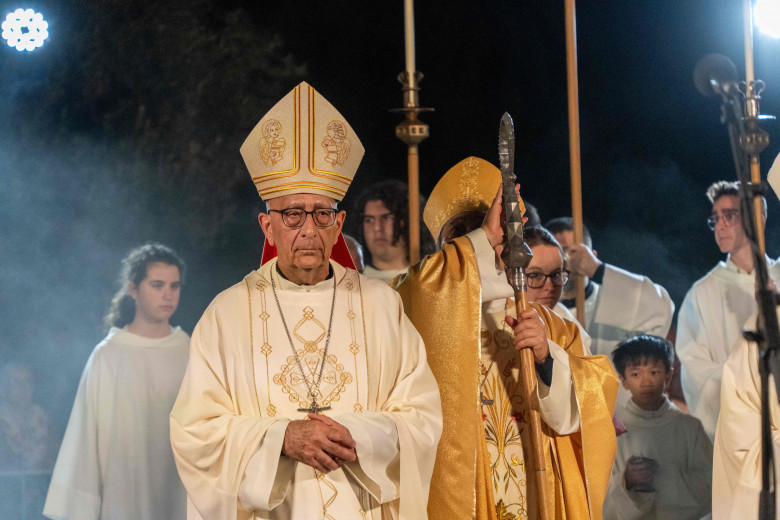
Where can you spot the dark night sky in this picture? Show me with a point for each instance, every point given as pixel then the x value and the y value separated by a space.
pixel 651 144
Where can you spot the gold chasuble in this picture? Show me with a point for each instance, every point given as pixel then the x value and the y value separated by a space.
pixel 485 451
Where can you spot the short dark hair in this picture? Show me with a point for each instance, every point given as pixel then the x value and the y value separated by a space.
pixel 645 347
pixel 394 194
pixel 532 214
pixel 560 224
pixel 720 188
pixel 134 265
pixel 537 236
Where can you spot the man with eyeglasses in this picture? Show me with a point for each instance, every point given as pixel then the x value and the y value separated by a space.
pixel 618 304
pixel 307 394
pixel 462 305
pixel 382 229
pixel 716 307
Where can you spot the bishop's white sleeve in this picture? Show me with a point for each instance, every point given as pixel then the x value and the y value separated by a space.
pixel 493 282
pixel 376 444
pixel 257 491
pixel 634 303
pixel 557 402
pixel 213 442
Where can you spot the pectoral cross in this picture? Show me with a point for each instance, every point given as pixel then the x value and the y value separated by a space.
pixel 316 409
pixel 484 401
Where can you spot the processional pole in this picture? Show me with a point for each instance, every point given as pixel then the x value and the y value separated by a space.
pixel 716 75
pixel 574 144
pixel 752 95
pixel 753 140
pixel 412 131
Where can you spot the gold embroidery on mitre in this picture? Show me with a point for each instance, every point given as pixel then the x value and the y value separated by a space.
pixel 336 144
pixel 302 145
pixel 272 144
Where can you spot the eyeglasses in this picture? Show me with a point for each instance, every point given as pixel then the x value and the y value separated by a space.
pixel 730 217
pixel 537 280
pixel 296 217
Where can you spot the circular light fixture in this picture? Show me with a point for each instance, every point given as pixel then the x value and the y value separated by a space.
pixel 25 30
pixel 766 15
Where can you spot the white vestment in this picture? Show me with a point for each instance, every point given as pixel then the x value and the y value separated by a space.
pixel 383 274
pixel 710 323
pixel 243 386
pixel 736 480
pixel 115 461
pixel 678 443
pixel 623 306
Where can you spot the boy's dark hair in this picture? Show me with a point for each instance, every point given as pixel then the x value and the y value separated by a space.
pixel 645 347
pixel 394 194
pixel 561 224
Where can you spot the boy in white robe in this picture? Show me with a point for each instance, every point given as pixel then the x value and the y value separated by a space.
pixel 115 461
pixel 663 466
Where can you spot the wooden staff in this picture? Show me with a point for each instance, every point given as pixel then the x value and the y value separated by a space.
pixel 412 131
pixel 534 419
pixel 751 108
pixel 574 144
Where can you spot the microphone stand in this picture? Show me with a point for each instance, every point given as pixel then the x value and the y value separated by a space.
pixel 747 141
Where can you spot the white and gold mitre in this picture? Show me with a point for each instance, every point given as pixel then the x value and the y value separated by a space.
pixel 470 185
pixel 302 145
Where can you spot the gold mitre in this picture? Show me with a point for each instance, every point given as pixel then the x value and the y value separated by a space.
pixel 470 185
pixel 302 145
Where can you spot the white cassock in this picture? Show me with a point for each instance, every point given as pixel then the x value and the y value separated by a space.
pixel 710 323
pixel 115 461
pixel 623 306
pixel 736 480
pixel 243 386
pixel 383 274
pixel 678 443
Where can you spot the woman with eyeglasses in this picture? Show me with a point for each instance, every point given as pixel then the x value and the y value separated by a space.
pixel 546 273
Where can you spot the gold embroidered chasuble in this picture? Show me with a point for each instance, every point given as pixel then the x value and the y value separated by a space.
pixel 485 453
pixel 244 384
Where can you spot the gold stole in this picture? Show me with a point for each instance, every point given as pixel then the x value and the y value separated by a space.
pixel 442 298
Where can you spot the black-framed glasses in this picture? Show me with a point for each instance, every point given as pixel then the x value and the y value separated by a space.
pixel 729 216
pixel 296 217
pixel 537 280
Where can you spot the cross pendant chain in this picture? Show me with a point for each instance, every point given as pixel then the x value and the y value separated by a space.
pixel 317 409
pixel 485 401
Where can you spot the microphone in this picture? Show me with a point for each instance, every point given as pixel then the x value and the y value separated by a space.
pixel 716 75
